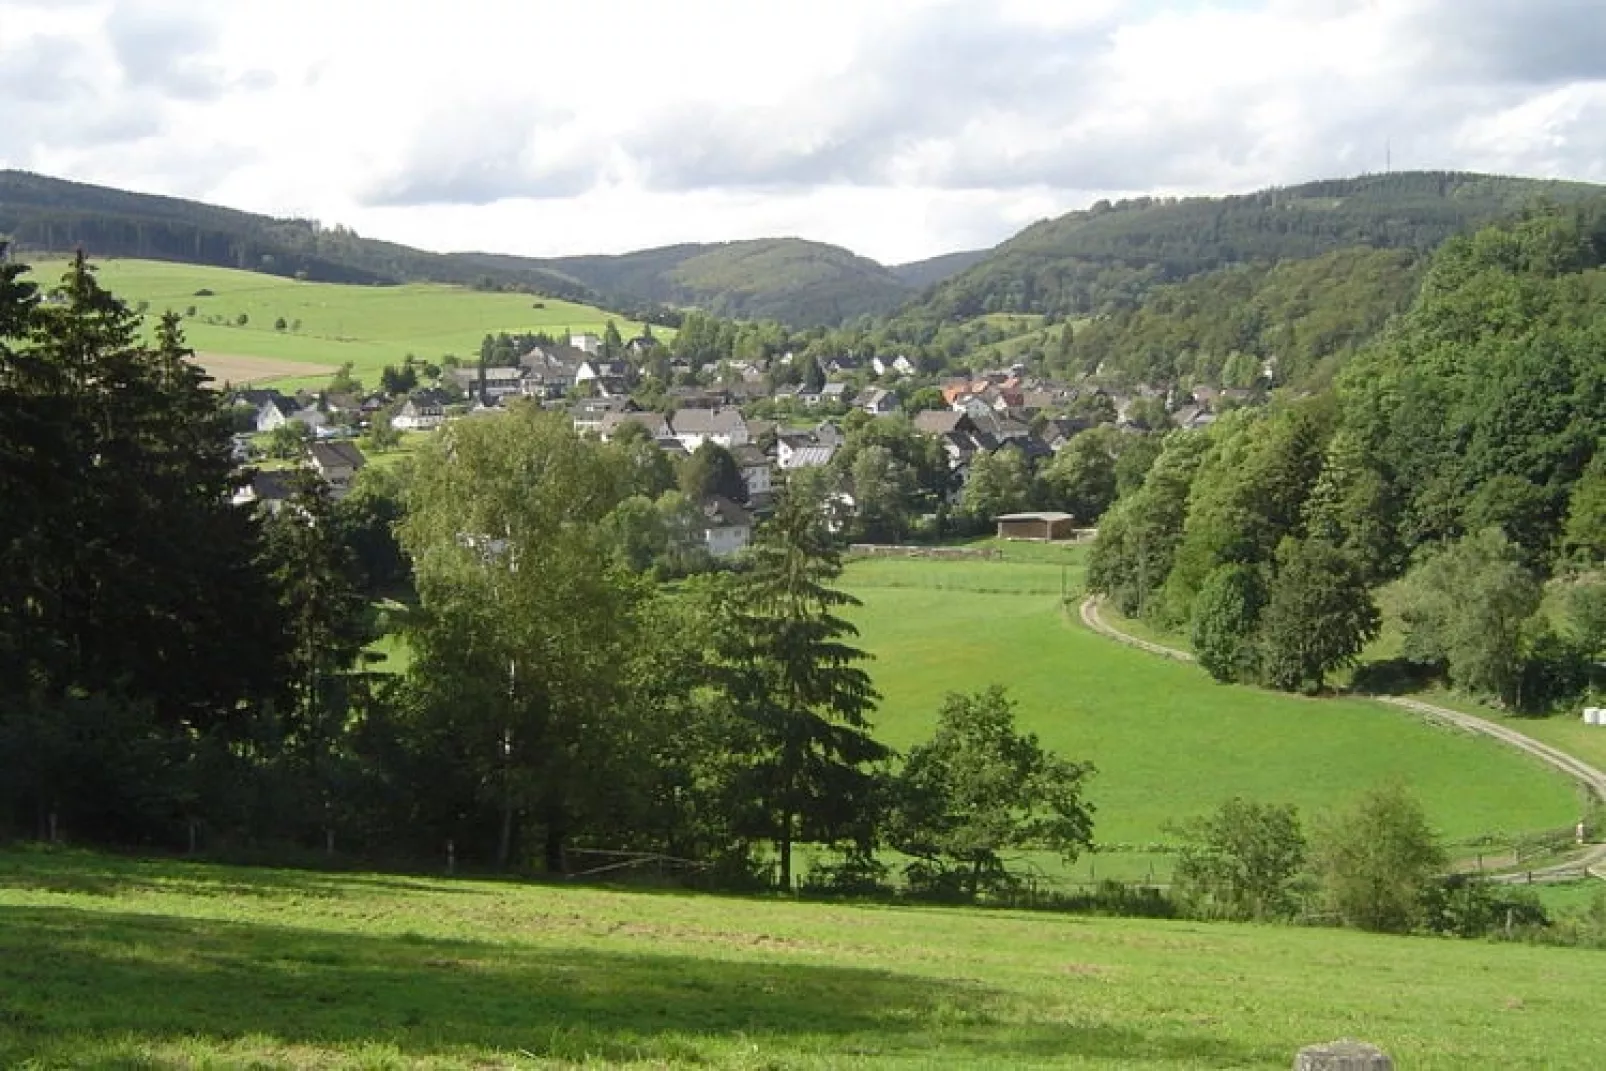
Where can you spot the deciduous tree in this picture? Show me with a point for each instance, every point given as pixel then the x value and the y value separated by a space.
pixel 980 788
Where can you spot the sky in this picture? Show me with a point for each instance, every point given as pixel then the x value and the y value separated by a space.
pixel 901 129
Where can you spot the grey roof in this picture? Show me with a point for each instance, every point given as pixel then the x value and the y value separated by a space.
pixel 939 421
pixel 749 456
pixel 337 455
pixel 654 422
pixel 721 512
pixel 1052 517
pixel 809 456
pixel 706 421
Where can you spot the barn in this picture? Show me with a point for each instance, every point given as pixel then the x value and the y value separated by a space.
pixel 1044 526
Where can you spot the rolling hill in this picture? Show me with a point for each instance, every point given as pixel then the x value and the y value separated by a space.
pixel 251 327
pixel 41 215
pixel 1109 256
pixel 797 282
pixel 792 280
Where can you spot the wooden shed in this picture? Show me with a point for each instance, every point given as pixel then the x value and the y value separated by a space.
pixel 1044 526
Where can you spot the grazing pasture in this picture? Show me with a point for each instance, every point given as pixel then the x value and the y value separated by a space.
pixel 1168 742
pixel 327 324
pixel 108 962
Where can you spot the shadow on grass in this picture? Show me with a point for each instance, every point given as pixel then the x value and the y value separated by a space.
pixel 88 873
pixel 102 989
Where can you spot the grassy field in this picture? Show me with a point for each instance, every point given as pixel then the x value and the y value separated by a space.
pixel 1168 742
pixel 112 963
pixel 370 326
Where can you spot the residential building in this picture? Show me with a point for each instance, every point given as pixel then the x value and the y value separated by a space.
pixel 657 427
pixel 338 464
pixel 756 474
pixel 693 427
pixel 727 527
pixel 879 402
pixel 423 410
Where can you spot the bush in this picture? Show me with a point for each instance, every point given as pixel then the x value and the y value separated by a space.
pixel 1377 861
pixel 1242 861
pixel 1464 905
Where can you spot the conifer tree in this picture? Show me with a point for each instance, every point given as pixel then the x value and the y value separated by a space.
pixel 797 681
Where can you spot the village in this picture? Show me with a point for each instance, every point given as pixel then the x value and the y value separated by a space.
pixel 768 431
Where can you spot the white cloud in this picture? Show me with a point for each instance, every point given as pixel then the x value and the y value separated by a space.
pixel 900 128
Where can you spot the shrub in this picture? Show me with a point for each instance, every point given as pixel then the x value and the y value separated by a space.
pixel 1377 860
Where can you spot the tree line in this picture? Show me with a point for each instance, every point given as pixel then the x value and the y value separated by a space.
pixel 1458 460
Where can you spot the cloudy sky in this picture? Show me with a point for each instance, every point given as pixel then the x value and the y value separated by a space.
pixel 899 128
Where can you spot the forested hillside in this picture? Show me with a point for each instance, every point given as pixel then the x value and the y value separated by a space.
pixel 1463 451
pixel 1295 319
pixel 923 273
pixel 1109 256
pixel 795 282
pixel 47 215
pixel 790 280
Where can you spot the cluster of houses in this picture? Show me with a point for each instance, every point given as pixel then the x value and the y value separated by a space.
pixel 982 413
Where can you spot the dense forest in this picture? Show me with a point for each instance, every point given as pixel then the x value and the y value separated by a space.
pixel 1461 455
pixel 1108 257
pixel 1293 322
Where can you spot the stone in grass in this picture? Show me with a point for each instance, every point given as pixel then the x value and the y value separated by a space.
pixel 1343 1055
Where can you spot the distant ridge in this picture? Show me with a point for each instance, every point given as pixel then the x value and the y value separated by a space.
pixel 798 282
pixel 50 215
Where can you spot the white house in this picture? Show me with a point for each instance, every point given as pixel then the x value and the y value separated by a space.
pixel 727 527
pixel 756 475
pixel 276 412
pixel 878 402
pixel 693 427
pixel 889 366
pixel 420 412
pixel 338 463
pixel 586 341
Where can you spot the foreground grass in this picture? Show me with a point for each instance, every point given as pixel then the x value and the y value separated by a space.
pixel 370 326
pixel 116 963
pixel 1169 743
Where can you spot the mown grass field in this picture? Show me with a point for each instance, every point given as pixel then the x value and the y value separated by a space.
pixel 114 963
pixel 1168 742
pixel 370 326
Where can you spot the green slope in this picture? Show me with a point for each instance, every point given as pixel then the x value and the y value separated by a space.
pixel 328 324
pixel 114 963
pixel 1169 743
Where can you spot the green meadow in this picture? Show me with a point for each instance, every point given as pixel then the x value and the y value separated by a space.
pixel 115 963
pixel 1168 742
pixel 370 326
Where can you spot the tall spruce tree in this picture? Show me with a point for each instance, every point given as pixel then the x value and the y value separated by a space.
pixel 798 682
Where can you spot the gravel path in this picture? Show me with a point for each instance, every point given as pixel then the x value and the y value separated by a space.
pixel 1590 863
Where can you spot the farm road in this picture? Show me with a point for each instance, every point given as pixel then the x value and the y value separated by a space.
pixel 1591 862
